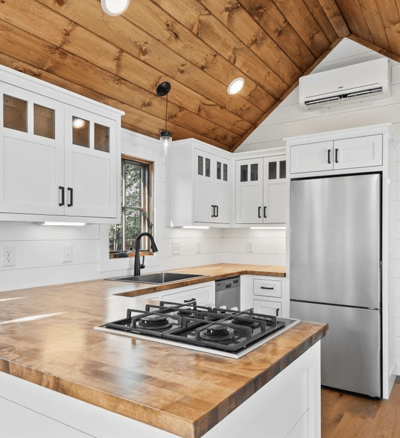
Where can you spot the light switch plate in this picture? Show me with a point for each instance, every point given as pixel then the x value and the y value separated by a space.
pixel 67 253
pixel 249 246
pixel 176 248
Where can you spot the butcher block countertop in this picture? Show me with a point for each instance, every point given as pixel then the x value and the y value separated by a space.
pixel 209 273
pixel 47 337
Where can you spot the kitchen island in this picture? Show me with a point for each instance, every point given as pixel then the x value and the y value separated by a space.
pixel 49 350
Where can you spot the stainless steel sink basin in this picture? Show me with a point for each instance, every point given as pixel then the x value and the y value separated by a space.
pixel 160 278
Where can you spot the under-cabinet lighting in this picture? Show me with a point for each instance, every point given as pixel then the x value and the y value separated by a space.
pixel 197 228
pixel 267 228
pixel 235 86
pixel 64 224
pixel 114 7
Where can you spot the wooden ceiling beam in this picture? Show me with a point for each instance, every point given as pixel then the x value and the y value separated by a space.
pixel 335 17
pixel 320 17
pixel 277 27
pixel 302 21
pixel 354 10
pixel 316 63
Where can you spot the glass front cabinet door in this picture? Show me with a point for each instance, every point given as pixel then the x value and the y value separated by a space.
pixel 90 157
pixel 32 153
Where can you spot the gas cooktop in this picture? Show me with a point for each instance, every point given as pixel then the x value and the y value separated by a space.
pixel 213 330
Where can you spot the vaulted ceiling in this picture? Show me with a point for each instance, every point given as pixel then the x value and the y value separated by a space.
pixel 199 46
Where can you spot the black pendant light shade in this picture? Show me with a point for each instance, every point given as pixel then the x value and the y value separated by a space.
pixel 163 89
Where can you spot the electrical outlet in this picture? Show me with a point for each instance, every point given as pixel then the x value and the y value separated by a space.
pixel 67 253
pixel 176 248
pixel 249 246
pixel 198 247
pixel 8 256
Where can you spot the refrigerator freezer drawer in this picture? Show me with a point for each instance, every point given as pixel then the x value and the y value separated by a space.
pixel 351 358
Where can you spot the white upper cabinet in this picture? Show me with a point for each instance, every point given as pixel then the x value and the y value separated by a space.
pixel 261 190
pixel 60 156
pixel 348 153
pixel 199 185
pixel 32 153
pixel 90 164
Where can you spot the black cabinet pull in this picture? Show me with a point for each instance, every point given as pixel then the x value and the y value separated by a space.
pixel 277 312
pixel 259 212
pixel 213 211
pixel 336 155
pixel 329 156
pixel 71 197
pixel 217 214
pixel 268 288
pixel 62 196
pixel 190 300
pixel 265 212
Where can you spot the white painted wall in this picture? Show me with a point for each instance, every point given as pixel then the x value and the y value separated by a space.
pixel 290 120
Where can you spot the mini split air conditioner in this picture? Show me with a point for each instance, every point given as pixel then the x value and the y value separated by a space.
pixel 354 83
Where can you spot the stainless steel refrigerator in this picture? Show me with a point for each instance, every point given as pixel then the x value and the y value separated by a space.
pixel 335 274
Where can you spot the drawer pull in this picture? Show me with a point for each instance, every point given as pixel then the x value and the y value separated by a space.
pixel 190 300
pixel 268 288
pixel 277 312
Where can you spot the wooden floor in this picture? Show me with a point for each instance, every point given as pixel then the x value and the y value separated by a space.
pixel 349 416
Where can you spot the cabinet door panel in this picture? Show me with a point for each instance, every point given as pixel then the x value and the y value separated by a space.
pixel 221 191
pixel 312 157
pixel 358 152
pixel 203 187
pixel 275 191
pixel 249 191
pixel 31 151
pixel 91 173
pixel 273 308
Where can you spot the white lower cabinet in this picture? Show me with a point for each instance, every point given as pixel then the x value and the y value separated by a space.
pixel 203 294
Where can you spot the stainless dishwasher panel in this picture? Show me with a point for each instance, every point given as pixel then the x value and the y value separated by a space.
pixel 227 293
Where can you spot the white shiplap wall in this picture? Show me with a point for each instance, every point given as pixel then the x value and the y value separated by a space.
pixel 290 120
pixel 39 249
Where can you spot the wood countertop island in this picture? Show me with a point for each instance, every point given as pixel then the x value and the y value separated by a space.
pixel 47 337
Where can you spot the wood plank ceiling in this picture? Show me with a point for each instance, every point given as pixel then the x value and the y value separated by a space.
pixel 199 46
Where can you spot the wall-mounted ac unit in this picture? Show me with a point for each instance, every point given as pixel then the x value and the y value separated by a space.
pixel 354 83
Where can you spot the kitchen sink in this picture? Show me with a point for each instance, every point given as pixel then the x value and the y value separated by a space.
pixel 160 278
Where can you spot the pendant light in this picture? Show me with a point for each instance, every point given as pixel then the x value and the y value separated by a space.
pixel 165 136
pixel 115 7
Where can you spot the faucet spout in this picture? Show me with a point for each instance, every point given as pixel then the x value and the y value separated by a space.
pixel 137 250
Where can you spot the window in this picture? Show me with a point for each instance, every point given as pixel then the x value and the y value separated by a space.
pixel 136 206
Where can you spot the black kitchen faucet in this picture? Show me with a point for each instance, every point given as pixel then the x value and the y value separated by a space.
pixel 137 251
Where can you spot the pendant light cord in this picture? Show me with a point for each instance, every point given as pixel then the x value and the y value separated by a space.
pixel 166 114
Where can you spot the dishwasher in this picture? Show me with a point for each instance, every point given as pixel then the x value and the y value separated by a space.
pixel 227 293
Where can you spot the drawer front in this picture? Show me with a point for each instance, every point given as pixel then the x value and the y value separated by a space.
pixel 204 296
pixel 267 288
pixel 273 308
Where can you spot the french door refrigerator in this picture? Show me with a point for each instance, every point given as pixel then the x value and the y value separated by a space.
pixel 335 274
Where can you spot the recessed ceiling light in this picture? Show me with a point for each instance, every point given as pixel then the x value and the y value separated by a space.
pixel 235 86
pixel 115 7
